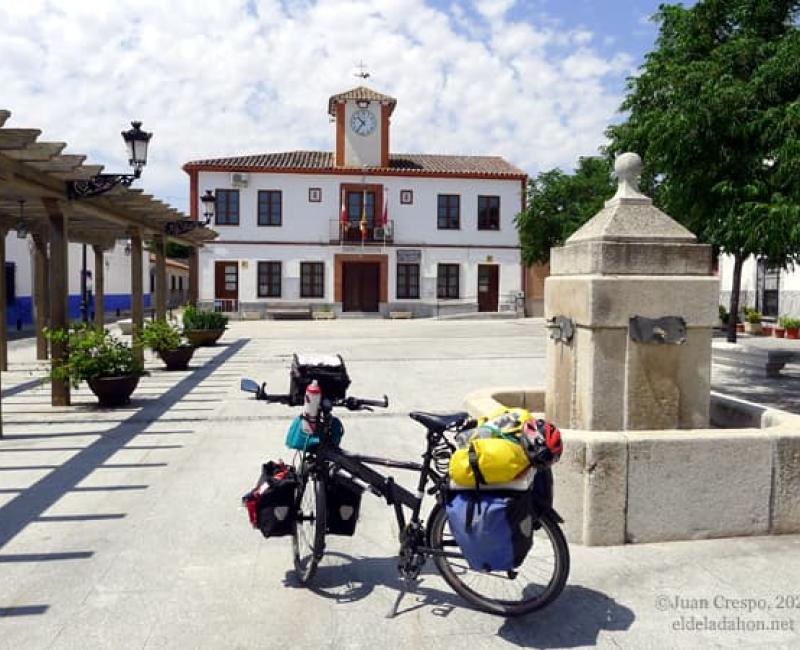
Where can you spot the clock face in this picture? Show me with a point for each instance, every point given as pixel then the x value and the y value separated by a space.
pixel 363 122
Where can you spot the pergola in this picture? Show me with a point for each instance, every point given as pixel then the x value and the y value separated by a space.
pixel 40 175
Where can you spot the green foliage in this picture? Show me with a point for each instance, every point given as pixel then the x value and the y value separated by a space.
pixel 723 314
pixel 92 353
pixel 177 251
pixel 201 319
pixel 558 204
pixel 754 316
pixel 715 115
pixel 161 336
pixel 788 322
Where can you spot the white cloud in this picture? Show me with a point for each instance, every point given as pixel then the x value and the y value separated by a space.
pixel 255 75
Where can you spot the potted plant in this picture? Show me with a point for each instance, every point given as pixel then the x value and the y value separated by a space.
pixel 104 362
pixel 779 330
pixel 753 324
pixel 203 327
pixel 724 316
pixel 166 340
pixel 792 325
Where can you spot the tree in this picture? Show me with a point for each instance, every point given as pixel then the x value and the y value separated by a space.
pixel 558 204
pixel 715 115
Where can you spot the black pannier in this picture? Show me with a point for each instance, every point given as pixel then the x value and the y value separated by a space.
pixel 343 503
pixel 271 505
pixel 329 371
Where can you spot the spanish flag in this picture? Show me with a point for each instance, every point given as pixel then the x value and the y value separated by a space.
pixel 363 223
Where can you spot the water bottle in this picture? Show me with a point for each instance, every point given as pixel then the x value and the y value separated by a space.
pixel 311 407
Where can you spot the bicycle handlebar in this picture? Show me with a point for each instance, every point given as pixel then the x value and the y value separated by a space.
pixel 351 403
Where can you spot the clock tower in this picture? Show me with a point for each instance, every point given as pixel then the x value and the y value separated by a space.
pixel 362 119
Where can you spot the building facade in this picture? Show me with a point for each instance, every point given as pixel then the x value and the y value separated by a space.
pixel 774 292
pixel 360 229
pixel 19 280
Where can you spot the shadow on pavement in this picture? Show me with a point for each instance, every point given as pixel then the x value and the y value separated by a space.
pixel 33 501
pixel 348 579
pixel 575 619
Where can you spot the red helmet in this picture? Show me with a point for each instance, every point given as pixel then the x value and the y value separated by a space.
pixel 542 442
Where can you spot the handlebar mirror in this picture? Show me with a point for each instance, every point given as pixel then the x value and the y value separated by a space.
pixel 249 386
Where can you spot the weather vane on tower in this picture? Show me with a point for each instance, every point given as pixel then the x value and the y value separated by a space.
pixel 362 71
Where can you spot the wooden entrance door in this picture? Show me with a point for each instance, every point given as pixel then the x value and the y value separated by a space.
pixel 487 287
pixel 360 286
pixel 226 285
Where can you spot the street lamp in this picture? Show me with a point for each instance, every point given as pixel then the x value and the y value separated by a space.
pixel 136 141
pixel 209 206
pixel 178 228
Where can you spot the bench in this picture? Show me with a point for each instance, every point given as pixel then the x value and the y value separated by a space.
pixel 768 360
pixel 289 313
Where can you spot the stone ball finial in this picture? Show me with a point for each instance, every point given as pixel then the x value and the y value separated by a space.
pixel 628 169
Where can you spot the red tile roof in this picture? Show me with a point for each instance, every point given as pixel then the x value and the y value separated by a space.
pixel 399 164
pixel 359 93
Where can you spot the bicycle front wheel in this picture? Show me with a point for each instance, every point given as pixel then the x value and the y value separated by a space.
pixel 308 541
pixel 534 584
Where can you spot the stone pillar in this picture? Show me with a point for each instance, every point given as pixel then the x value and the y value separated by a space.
pixel 618 371
pixel 59 274
pixel 194 276
pixel 3 306
pixel 41 311
pixel 137 294
pixel 99 287
pixel 161 276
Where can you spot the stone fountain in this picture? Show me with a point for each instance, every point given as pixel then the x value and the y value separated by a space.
pixel 651 454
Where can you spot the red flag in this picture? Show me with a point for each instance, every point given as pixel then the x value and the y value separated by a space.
pixel 385 217
pixel 343 220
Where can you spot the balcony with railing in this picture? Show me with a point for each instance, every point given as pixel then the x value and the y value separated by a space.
pixel 339 234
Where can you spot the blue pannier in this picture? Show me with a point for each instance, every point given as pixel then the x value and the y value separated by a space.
pixel 493 529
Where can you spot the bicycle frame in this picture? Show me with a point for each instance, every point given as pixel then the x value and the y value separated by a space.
pixel 384 486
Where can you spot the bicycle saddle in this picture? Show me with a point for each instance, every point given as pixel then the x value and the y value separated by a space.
pixel 439 421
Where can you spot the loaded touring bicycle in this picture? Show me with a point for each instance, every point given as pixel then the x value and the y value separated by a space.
pixel 322 494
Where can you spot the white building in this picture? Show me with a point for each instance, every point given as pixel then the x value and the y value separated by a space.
pixel 448 243
pixel 773 292
pixel 19 280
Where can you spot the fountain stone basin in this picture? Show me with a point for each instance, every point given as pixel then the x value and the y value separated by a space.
pixel 739 477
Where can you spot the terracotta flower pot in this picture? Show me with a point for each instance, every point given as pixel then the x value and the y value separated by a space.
pixel 114 391
pixel 200 338
pixel 177 359
pixel 779 332
pixel 791 332
pixel 752 328
pixel 740 328
pixel 766 330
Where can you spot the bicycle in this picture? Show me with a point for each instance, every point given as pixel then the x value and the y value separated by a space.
pixel 323 463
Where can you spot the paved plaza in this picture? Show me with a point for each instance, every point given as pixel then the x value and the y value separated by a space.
pixel 123 528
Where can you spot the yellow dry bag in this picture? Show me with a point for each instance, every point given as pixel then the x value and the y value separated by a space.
pixel 486 461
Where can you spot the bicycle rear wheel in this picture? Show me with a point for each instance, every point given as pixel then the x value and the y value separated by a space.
pixel 533 585
pixel 308 540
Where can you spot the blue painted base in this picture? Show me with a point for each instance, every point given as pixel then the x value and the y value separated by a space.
pixel 20 312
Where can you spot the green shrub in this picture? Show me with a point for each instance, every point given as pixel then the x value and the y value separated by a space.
pixel 724 316
pixel 92 353
pixel 754 317
pixel 201 319
pixel 789 322
pixel 161 336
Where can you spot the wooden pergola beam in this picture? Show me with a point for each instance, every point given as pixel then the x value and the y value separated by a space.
pixel 37 151
pixel 18 138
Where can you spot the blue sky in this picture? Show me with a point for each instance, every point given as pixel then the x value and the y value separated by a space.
pixel 535 81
